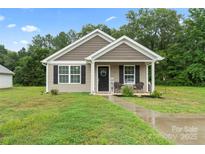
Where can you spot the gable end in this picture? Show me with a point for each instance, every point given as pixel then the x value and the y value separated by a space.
pixel 105 37
pixel 85 49
pixel 123 52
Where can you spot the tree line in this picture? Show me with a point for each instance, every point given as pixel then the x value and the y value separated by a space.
pixel 180 39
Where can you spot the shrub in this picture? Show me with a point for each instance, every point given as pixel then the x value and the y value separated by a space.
pixel 54 92
pixel 42 92
pixel 156 94
pixel 127 91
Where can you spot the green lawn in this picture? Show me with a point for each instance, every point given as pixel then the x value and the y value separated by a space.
pixel 28 116
pixel 175 100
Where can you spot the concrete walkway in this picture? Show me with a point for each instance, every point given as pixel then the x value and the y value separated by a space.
pixel 181 128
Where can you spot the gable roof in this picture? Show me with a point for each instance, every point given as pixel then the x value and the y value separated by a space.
pixel 4 70
pixel 124 39
pixel 77 43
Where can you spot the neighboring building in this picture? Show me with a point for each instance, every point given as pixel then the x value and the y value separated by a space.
pixel 99 63
pixel 6 77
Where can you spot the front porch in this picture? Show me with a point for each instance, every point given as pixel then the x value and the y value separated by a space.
pixel 107 78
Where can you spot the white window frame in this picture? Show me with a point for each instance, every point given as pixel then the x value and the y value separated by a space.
pixel 128 74
pixel 69 74
pixel 63 74
pixel 74 74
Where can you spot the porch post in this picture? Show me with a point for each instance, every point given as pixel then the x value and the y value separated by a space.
pixel 46 78
pixel 153 76
pixel 92 91
pixel 147 77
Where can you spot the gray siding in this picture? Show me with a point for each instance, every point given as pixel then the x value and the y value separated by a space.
pixel 123 52
pixel 69 87
pixel 85 49
pixel 114 75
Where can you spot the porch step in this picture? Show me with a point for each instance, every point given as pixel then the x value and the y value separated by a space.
pixel 104 93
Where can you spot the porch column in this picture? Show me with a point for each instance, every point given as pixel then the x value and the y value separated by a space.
pixel 147 76
pixel 46 78
pixel 92 91
pixel 153 77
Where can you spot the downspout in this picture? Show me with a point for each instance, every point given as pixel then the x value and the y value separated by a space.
pixel 46 65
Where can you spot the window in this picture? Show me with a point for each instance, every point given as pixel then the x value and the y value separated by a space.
pixel 69 74
pixel 129 74
pixel 75 74
pixel 63 74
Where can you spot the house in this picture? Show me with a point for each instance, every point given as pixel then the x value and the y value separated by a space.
pixel 6 77
pixel 98 63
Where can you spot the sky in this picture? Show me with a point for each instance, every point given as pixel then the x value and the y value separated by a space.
pixel 18 26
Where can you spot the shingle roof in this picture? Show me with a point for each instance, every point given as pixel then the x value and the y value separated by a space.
pixel 4 70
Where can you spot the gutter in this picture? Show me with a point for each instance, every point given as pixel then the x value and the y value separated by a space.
pixel 44 64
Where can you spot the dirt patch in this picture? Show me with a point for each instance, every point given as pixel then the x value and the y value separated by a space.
pixel 31 104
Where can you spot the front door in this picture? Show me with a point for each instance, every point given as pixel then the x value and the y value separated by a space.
pixel 103 78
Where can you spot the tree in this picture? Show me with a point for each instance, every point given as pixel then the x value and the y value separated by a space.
pixel 61 40
pixel 154 28
pixel 10 60
pixel 30 71
pixel 89 28
pixel 73 36
pixel 3 52
pixel 22 53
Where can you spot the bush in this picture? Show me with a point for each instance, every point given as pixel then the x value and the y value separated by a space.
pixel 156 94
pixel 54 92
pixel 127 91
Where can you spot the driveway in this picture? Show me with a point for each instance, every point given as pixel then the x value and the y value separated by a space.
pixel 181 128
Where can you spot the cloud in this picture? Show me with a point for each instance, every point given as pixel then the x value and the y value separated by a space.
pixel 24 42
pixel 110 18
pixel 11 25
pixel 29 28
pixel 15 42
pixel 2 18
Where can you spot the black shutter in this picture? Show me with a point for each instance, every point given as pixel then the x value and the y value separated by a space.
pixel 55 74
pixel 83 74
pixel 137 73
pixel 121 74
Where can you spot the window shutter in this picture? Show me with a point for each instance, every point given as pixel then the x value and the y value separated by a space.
pixel 121 74
pixel 55 74
pixel 83 74
pixel 137 73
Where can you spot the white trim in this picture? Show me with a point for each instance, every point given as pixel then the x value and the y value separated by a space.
pixel 63 74
pixel 92 74
pixel 46 78
pixel 153 77
pixel 147 77
pixel 67 62
pixel 69 74
pixel 108 79
pixel 124 60
pixel 124 39
pixel 77 43
pixel 128 74
pixel 75 74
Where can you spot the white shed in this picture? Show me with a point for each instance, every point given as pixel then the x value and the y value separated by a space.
pixel 6 77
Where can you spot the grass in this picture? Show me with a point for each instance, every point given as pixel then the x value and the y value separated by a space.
pixel 28 116
pixel 175 100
